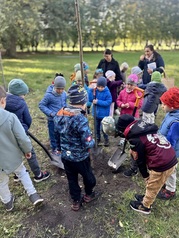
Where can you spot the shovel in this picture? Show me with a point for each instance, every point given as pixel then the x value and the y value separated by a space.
pixel 96 151
pixel 119 155
pixel 55 160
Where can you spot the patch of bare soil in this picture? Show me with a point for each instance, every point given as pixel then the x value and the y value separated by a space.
pixel 56 219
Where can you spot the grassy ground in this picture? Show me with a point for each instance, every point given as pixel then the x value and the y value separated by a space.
pixel 110 217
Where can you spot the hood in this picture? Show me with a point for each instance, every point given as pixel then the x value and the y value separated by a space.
pixel 3 116
pixel 140 128
pixel 66 116
pixel 13 103
pixel 155 88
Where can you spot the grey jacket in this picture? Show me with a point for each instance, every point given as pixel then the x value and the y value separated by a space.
pixel 13 142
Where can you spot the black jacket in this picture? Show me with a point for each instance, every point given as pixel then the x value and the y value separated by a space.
pixel 153 150
pixel 113 65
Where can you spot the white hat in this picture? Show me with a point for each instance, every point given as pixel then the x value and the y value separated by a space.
pixel 109 73
pixel 108 124
pixel 124 65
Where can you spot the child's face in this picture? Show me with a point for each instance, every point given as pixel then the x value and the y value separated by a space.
pixel 112 78
pixel 3 103
pixel 99 75
pixel 100 88
pixel 130 87
pixel 166 108
pixel 59 90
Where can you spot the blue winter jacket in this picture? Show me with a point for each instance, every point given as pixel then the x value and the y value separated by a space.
pixel 153 92
pixel 52 102
pixel 143 64
pixel 18 106
pixel 170 129
pixel 104 101
pixel 73 134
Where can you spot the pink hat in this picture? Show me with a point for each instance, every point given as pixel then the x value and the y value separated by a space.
pixel 132 79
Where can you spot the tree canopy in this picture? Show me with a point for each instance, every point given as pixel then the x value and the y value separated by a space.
pixel 107 23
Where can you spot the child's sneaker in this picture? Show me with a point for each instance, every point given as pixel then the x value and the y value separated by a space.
pixel 130 172
pixel 76 205
pixel 139 207
pixel 166 194
pixel 35 199
pixel 44 175
pixel 16 179
pixel 91 197
pixel 10 205
pixel 139 197
pixel 106 143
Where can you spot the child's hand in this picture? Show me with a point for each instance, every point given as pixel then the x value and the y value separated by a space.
pixel 95 101
pixel 28 155
pixel 127 105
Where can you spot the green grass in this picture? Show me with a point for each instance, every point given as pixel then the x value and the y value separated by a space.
pixel 38 70
pixel 114 218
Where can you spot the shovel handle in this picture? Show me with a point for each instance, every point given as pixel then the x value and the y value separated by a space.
pixel 138 97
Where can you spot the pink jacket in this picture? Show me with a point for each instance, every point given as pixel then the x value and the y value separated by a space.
pixel 130 98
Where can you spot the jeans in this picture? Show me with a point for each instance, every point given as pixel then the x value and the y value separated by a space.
pixel 98 129
pixel 52 134
pixel 72 170
pixel 25 179
pixel 33 163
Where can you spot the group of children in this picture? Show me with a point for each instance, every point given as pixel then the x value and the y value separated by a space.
pixel 71 137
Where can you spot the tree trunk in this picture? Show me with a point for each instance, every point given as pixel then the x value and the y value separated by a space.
pixel 11 47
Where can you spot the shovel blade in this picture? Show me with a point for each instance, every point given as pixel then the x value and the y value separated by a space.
pixel 117 159
pixel 57 161
pixel 96 152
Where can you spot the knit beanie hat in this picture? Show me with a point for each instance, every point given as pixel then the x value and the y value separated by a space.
pixel 101 81
pixel 123 121
pixel 99 71
pixel 77 95
pixel 18 87
pixel 59 82
pixel 156 76
pixel 108 124
pixel 77 67
pixel 124 65
pixel 136 70
pixel 109 73
pixel 132 79
pixel 85 66
pixel 78 76
pixel 171 98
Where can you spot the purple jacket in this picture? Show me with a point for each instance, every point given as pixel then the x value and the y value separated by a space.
pixel 112 85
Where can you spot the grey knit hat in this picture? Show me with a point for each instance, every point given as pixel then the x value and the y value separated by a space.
pixel 18 87
pixel 101 81
pixel 77 95
pixel 136 70
pixel 59 82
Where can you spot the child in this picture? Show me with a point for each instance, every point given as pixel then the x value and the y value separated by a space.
pixel 154 155
pixel 126 99
pixel 153 92
pixel 112 85
pixel 123 68
pixel 137 71
pixel 13 144
pixel 101 99
pixel 52 102
pixel 75 138
pixel 77 68
pixel 98 73
pixel 170 128
pixel 16 104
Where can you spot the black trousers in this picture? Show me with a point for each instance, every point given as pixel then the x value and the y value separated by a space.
pixel 73 169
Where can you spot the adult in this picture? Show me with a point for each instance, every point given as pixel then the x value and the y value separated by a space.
pixel 109 63
pixel 149 62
